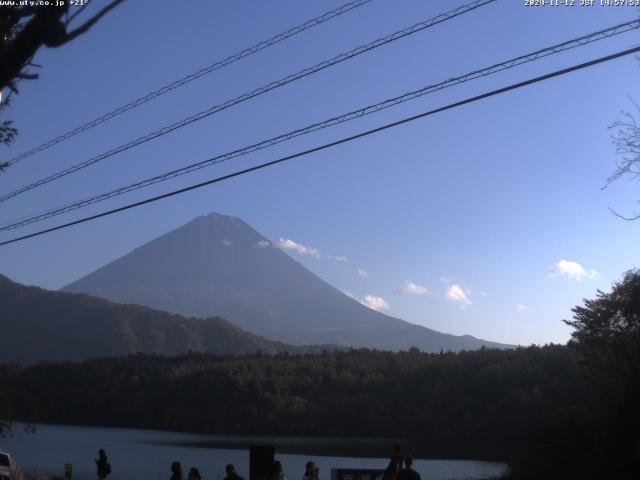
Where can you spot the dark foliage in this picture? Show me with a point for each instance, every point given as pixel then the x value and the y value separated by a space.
pixel 38 324
pixel 471 404
pixel 24 29
pixel 598 438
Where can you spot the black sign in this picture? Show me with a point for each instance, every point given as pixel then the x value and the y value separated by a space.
pixel 260 461
pixel 356 474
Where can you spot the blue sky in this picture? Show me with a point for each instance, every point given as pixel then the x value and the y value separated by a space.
pixel 488 219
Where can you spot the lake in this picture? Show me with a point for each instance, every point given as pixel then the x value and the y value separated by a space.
pixel 147 454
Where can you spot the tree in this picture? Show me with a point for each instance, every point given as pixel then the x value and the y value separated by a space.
pixel 607 330
pixel 626 138
pixel 596 437
pixel 24 30
pixel 606 338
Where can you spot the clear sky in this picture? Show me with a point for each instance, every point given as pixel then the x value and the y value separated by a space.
pixel 488 219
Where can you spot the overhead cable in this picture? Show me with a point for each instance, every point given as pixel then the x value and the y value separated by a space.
pixel 254 93
pixel 450 106
pixel 377 107
pixel 347 7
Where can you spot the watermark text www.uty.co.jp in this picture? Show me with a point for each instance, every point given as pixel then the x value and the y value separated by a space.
pixel 43 3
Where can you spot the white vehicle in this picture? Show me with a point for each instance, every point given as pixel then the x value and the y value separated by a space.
pixel 5 466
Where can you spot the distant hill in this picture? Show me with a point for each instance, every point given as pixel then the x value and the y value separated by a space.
pixel 38 324
pixel 219 265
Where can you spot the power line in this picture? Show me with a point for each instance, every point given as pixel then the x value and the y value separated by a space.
pixel 254 93
pixel 530 57
pixel 347 7
pixel 366 133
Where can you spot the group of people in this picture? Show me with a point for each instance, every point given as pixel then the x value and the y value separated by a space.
pixel 399 468
pixel 276 473
pixel 104 470
pixel 176 472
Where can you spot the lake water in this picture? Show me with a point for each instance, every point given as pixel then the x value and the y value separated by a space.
pixel 147 454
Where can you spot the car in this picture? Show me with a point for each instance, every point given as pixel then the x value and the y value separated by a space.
pixel 5 466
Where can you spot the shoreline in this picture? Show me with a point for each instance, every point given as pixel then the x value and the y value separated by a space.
pixel 433 448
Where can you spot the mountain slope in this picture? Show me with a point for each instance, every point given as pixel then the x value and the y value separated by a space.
pixel 38 324
pixel 219 265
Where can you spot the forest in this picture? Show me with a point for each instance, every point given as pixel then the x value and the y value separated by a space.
pixel 486 398
pixel 556 411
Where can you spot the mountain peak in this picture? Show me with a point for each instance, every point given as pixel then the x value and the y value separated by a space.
pixel 217 220
pixel 220 217
pixel 216 266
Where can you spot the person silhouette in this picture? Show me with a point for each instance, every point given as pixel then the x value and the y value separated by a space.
pixel 176 471
pixel 231 473
pixel 194 474
pixel 276 471
pixel 310 472
pixel 391 471
pixel 102 465
pixel 408 473
pixel 398 456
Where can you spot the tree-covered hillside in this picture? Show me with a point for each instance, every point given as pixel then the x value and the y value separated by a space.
pixel 40 325
pixel 470 404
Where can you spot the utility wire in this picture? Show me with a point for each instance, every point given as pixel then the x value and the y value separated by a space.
pixel 347 7
pixel 254 93
pixel 366 133
pixel 530 57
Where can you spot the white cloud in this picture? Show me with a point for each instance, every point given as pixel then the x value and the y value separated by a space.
pixel 570 269
pixel 522 308
pixel 288 244
pixel 375 303
pixel 411 288
pixel 363 273
pixel 227 243
pixel 484 294
pixel 348 294
pixel 456 294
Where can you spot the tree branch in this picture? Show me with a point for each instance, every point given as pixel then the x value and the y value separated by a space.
pixel 635 216
pixel 78 12
pixel 44 28
pixel 91 22
pixel 28 76
pixel 44 25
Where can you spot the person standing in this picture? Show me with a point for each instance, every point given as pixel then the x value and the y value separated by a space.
pixel 102 465
pixel 398 456
pixel 176 471
pixel 391 471
pixel 194 474
pixel 276 472
pixel 231 473
pixel 311 472
pixel 408 473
